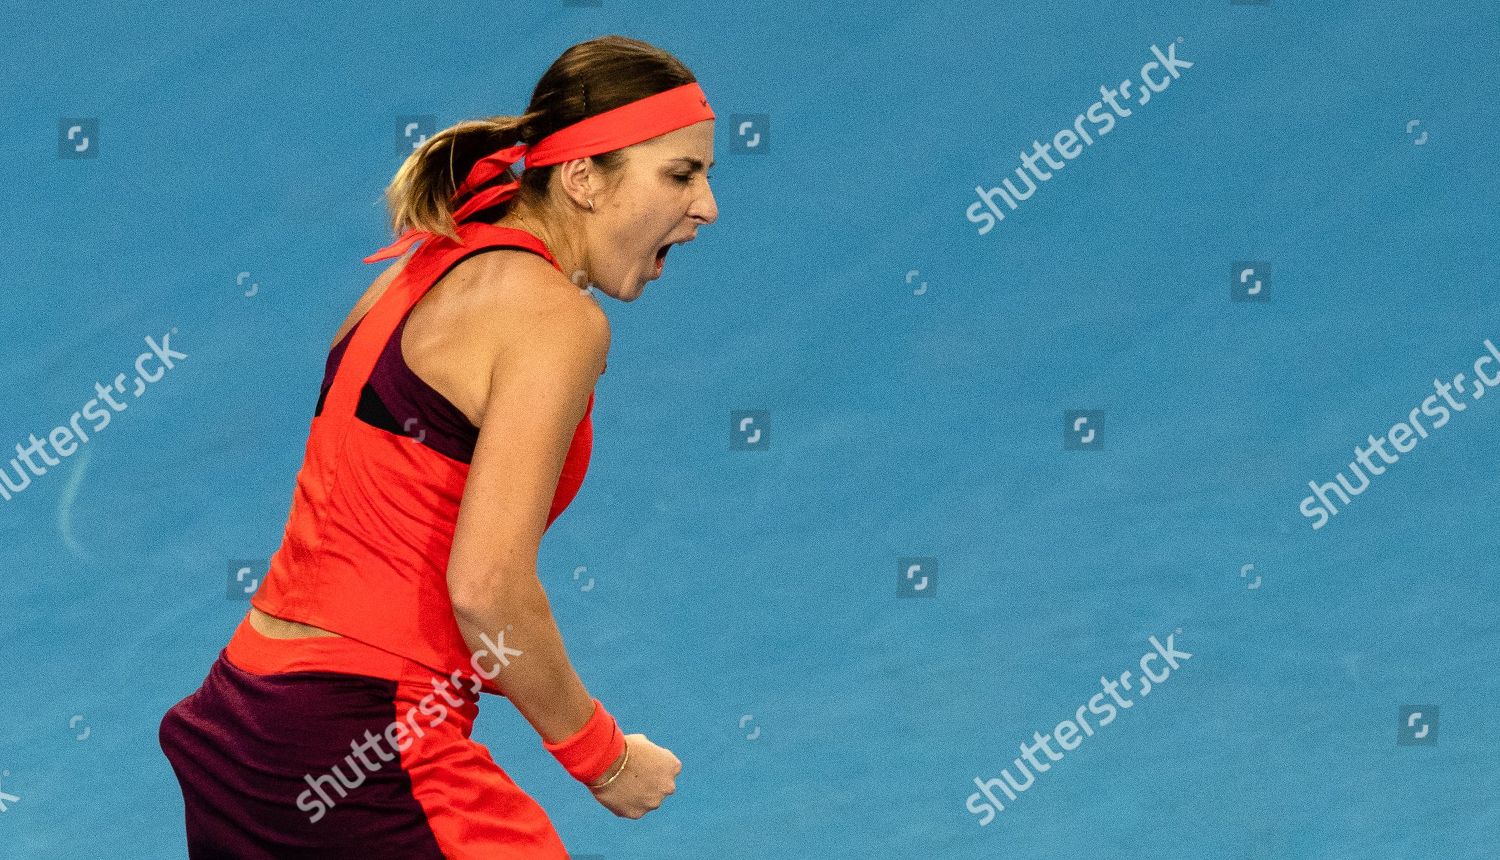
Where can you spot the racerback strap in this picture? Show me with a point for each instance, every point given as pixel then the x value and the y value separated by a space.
pixel 432 259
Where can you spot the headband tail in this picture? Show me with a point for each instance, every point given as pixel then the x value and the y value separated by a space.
pixel 491 166
pixel 485 199
pixel 398 247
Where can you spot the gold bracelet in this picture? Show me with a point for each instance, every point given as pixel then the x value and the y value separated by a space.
pixel 623 762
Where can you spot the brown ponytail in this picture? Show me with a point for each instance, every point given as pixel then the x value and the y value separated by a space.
pixel 421 193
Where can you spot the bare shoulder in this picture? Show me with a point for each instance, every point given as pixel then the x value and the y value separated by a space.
pixel 522 305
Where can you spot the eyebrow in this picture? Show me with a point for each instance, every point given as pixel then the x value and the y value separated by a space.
pixel 695 163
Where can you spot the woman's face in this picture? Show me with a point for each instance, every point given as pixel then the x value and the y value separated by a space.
pixel 660 199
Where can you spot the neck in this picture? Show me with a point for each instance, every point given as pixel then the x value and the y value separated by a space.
pixel 560 240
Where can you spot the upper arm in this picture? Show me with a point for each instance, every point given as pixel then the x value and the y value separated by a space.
pixel 539 385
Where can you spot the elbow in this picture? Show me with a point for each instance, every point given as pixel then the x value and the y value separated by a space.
pixel 484 600
pixel 476 605
pixel 471 610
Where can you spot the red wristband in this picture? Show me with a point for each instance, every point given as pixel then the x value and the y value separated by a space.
pixel 589 752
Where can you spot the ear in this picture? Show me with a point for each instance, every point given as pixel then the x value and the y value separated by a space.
pixel 580 180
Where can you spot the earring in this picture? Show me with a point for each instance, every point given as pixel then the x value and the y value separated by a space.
pixel 591 204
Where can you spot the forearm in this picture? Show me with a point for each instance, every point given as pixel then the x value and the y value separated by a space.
pixel 539 681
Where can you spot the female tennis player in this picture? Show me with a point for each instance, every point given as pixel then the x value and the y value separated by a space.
pixel 452 428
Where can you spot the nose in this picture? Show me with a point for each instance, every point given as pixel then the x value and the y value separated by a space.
pixel 704 209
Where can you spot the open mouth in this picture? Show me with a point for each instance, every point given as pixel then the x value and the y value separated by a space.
pixel 661 254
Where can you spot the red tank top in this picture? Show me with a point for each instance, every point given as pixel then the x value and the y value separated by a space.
pixel 365 551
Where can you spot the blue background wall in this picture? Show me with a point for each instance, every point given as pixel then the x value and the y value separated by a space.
pixel 747 610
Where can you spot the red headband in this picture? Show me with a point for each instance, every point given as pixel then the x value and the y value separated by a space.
pixel 624 126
